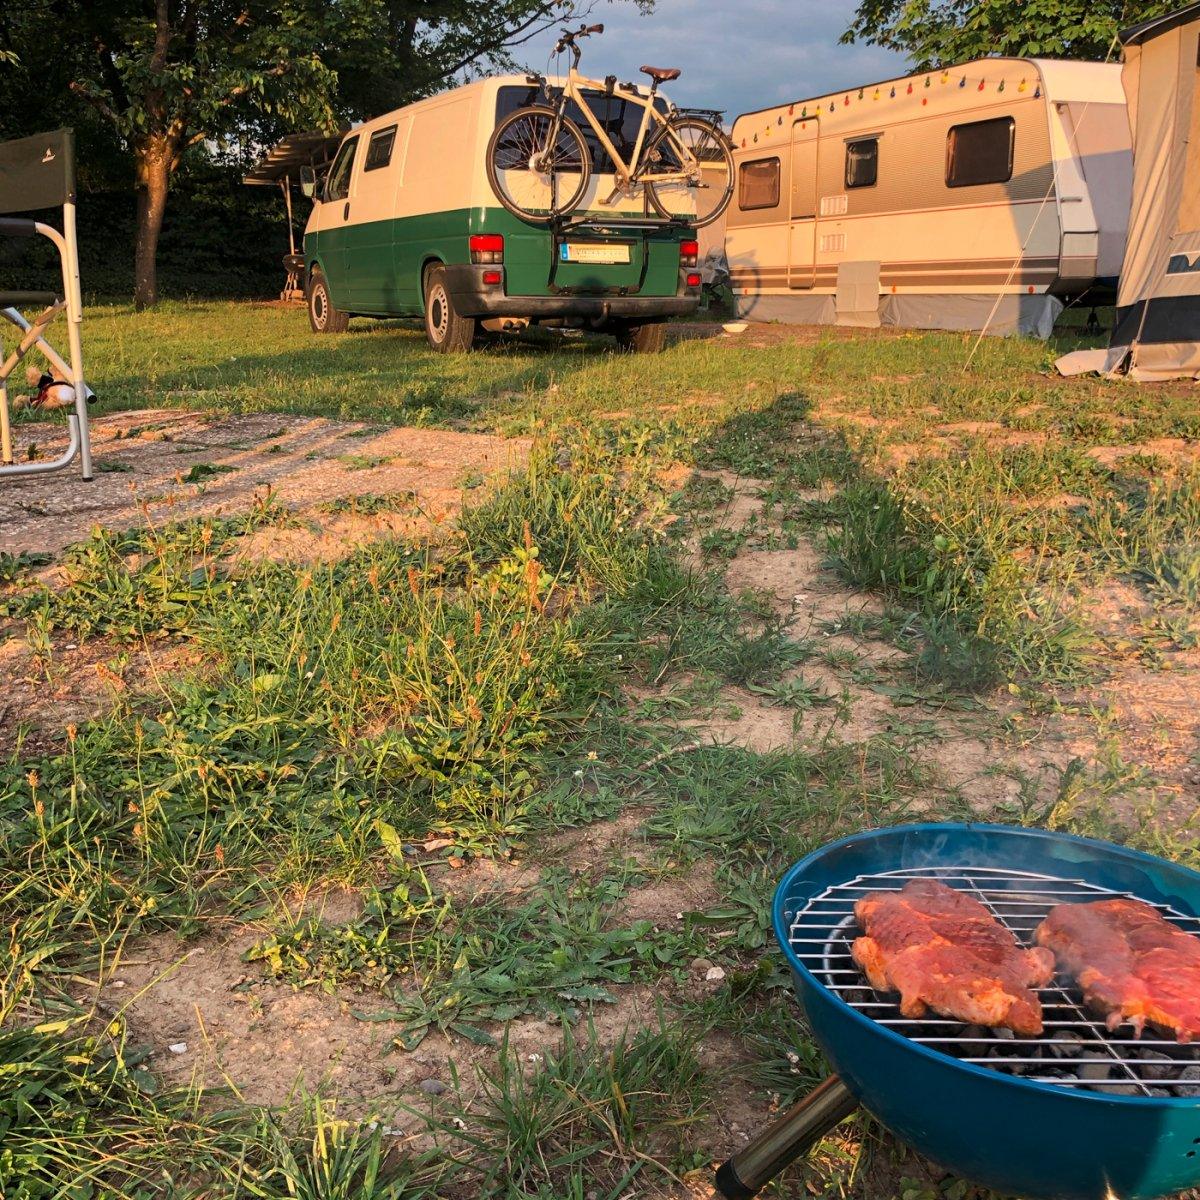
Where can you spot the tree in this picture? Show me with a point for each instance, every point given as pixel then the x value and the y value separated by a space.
pixel 935 33
pixel 165 75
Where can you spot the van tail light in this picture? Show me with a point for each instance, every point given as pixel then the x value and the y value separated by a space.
pixel 694 280
pixel 493 278
pixel 689 254
pixel 487 248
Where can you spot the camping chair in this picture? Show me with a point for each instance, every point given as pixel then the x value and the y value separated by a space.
pixel 39 172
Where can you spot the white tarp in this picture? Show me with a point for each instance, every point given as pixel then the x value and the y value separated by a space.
pixel 1157 329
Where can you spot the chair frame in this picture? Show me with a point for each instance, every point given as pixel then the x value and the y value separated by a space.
pixel 70 302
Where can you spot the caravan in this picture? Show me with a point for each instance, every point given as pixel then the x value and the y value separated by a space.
pixel 407 224
pixel 979 196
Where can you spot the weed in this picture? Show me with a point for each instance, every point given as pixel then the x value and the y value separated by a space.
pixel 202 470
pixel 369 504
pixel 483 962
pixel 13 567
pixel 81 1116
pixel 584 1119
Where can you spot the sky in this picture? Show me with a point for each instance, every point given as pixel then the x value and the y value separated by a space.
pixel 736 55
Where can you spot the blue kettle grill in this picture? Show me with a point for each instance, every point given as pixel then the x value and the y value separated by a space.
pixel 1079 1113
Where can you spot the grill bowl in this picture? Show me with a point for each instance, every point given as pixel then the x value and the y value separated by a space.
pixel 1041 1141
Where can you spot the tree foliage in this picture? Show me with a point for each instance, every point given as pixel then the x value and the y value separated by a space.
pixel 936 33
pixel 155 77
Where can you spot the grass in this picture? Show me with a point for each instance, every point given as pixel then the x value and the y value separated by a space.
pixel 377 722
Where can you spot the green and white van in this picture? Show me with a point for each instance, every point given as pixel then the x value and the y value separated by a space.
pixel 405 223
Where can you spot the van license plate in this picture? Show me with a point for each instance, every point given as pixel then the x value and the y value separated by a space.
pixel 594 252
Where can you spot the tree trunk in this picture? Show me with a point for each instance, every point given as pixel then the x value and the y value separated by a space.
pixel 155 158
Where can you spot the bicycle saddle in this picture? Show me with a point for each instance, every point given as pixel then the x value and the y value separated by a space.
pixel 661 74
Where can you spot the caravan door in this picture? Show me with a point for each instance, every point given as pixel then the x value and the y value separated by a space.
pixel 802 225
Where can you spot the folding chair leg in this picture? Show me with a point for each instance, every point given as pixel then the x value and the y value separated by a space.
pixel 6 455
pixel 74 298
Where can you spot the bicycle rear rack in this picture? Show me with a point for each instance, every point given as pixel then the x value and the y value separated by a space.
pixel 563 225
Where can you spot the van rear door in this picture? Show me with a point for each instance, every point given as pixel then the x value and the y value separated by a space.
pixel 589 258
pixel 588 255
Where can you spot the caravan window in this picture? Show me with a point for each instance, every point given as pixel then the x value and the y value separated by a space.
pixel 862 163
pixel 619 117
pixel 981 152
pixel 379 148
pixel 758 184
pixel 337 183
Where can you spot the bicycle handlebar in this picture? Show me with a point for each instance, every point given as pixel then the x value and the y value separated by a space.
pixel 568 36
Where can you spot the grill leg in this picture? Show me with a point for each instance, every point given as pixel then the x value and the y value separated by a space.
pixel 782 1143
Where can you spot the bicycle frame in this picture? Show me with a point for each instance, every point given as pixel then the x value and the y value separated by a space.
pixel 627 173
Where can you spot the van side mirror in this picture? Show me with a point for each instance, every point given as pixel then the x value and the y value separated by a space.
pixel 308 183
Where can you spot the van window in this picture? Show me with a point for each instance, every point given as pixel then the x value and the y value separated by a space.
pixel 862 163
pixel 379 148
pixel 981 152
pixel 619 117
pixel 758 184
pixel 337 183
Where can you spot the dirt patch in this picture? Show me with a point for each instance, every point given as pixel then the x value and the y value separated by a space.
pixel 741 719
pixel 760 334
pixel 1174 450
pixel 69 683
pixel 1154 715
pixel 666 900
pixel 186 464
pixel 744 506
pixel 799 586
pixel 585 847
pixel 208 1016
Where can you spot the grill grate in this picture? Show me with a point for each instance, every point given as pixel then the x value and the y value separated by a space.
pixel 1076 1049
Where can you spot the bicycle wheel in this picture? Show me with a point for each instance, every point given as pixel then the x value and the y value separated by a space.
pixel 532 179
pixel 699 201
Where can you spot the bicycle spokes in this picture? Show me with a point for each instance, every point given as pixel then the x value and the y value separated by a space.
pixel 689 170
pixel 538 163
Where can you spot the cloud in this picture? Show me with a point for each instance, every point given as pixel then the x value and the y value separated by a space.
pixel 735 56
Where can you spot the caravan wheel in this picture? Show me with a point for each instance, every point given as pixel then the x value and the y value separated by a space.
pixel 322 316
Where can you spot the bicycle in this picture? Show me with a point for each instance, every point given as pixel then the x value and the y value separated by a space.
pixel 539 165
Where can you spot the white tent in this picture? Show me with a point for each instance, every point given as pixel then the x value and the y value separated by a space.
pixel 1157 330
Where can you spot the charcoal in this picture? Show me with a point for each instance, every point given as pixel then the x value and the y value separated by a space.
pixel 1095 1070
pixel 1064 1044
pixel 1153 1064
pixel 1017 1068
pixel 1124 1089
pixel 1189 1081
pixel 1003 1033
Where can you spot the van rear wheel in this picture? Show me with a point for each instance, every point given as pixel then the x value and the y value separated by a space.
pixel 322 316
pixel 642 339
pixel 447 330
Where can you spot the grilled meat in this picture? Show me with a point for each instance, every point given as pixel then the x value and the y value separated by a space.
pixel 1131 962
pixel 942 950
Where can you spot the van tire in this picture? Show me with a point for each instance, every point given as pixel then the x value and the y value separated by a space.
pixel 643 339
pixel 323 317
pixel 447 330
